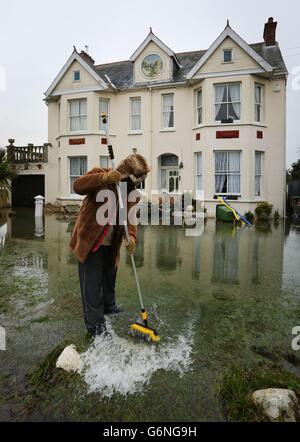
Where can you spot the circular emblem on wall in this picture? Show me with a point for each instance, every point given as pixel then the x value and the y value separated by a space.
pixel 152 65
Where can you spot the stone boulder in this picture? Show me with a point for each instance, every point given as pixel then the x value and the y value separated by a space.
pixel 70 360
pixel 277 404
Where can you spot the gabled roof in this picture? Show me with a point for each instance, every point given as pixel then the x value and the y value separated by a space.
pixel 75 56
pixel 229 32
pixel 152 37
pixel 121 72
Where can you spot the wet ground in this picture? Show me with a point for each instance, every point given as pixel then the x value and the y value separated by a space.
pixel 230 296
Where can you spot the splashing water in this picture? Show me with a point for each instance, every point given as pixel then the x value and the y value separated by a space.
pixel 120 365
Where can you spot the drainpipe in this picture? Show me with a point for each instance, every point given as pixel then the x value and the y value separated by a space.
pixel 150 138
pixel 284 171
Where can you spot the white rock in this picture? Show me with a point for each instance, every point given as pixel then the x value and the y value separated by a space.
pixel 277 403
pixel 70 360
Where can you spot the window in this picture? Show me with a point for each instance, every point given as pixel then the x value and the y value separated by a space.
pixel 258 102
pixel 227 55
pixel 78 167
pixel 168 111
pixel 78 115
pixel 135 114
pixel 227 102
pixel 199 184
pixel 76 75
pixel 103 109
pixel 104 161
pixel 258 173
pixel 227 173
pixel 199 106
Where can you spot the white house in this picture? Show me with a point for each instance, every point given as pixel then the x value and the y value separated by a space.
pixel 211 120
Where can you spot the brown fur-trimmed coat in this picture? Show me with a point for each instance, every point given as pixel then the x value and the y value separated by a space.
pixel 87 231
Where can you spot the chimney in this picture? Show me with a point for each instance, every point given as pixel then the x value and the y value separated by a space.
pixel 270 32
pixel 87 58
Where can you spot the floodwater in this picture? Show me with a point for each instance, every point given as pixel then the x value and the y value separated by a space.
pixel 226 297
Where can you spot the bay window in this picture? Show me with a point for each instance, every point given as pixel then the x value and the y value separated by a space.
pixel 135 114
pixel 227 172
pixel 168 111
pixel 78 167
pixel 103 109
pixel 199 183
pixel 258 102
pixel 78 115
pixel 104 161
pixel 227 102
pixel 258 173
pixel 199 106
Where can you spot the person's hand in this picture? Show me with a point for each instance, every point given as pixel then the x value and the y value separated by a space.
pixel 130 245
pixel 113 177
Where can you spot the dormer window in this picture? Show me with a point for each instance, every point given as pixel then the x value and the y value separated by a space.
pixel 227 55
pixel 76 75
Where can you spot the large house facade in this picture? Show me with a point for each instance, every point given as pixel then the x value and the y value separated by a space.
pixel 208 120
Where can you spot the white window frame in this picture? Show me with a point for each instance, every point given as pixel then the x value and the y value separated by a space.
pixel 74 73
pixel 260 175
pixel 106 100
pixel 223 53
pixel 107 158
pixel 199 174
pixel 74 176
pixel 228 173
pixel 261 104
pixel 171 128
pixel 199 109
pixel 229 102
pixel 77 116
pixel 131 114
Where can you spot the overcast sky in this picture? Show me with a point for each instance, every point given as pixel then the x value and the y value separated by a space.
pixel 37 37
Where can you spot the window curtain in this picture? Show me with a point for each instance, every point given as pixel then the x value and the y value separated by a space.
pixel 74 115
pixel 221 97
pixel 199 171
pixel 257 94
pixel 103 108
pixel 104 161
pixel 234 172
pixel 220 170
pixel 78 167
pixel 168 111
pixel 234 110
pixel 135 114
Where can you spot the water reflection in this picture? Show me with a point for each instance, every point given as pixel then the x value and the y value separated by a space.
pixel 224 254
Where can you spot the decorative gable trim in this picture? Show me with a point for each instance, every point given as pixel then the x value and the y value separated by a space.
pixel 229 32
pixel 159 43
pixel 75 56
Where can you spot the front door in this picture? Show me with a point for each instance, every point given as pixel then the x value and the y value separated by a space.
pixel 173 180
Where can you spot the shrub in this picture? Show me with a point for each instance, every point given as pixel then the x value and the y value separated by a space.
pixel 249 216
pixel 263 211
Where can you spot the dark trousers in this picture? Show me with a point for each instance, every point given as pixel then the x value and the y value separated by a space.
pixel 97 275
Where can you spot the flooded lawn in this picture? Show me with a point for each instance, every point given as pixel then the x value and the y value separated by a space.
pixel 229 297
